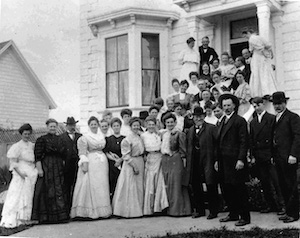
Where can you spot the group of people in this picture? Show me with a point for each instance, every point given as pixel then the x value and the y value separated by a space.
pixel 164 161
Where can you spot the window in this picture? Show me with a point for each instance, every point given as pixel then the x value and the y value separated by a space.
pixel 117 71
pixel 150 68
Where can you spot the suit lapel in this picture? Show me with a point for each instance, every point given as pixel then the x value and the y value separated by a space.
pixel 282 116
pixel 228 125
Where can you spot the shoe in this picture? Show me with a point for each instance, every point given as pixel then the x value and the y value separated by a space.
pixel 284 217
pixel 290 219
pixel 211 216
pixel 228 218
pixel 242 222
pixel 266 210
pixel 281 212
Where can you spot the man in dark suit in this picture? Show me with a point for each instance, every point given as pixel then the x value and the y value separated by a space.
pixel 232 160
pixel 286 141
pixel 69 139
pixel 261 147
pixel 207 54
pixel 201 155
pixel 247 56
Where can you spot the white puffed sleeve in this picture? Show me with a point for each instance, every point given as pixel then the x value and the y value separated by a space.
pixel 82 150
pixel 126 149
pixel 13 155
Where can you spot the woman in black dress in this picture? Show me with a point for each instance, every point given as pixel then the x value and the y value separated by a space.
pixel 50 197
pixel 113 153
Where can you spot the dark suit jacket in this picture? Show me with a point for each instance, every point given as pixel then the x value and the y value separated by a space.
pixel 287 135
pixel 261 137
pixel 206 57
pixel 206 143
pixel 233 146
pixel 71 152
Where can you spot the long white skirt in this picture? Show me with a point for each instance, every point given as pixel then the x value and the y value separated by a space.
pixel 91 193
pixel 18 203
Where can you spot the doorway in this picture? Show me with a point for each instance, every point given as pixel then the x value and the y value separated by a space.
pixel 236 49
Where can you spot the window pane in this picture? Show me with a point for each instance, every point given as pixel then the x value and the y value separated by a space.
pixel 236 27
pixel 150 86
pixel 123 88
pixel 112 89
pixel 111 55
pixel 122 52
pixel 150 51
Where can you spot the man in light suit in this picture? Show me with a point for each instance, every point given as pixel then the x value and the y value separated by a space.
pixel 232 160
pixel 261 147
pixel 286 142
pixel 69 139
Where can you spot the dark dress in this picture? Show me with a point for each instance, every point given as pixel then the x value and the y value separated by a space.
pixel 113 144
pixel 50 196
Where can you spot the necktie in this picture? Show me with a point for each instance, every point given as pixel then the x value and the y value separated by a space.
pixel 72 136
pixel 226 120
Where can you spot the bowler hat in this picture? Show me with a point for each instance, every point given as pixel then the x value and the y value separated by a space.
pixel 189 40
pixel 143 115
pixel 198 111
pixel 234 99
pixel 278 97
pixel 71 121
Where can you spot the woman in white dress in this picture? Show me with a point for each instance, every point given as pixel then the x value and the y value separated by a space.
pixel 18 203
pixel 262 80
pixel 189 59
pixel 155 198
pixel 242 93
pixel 91 194
pixel 128 199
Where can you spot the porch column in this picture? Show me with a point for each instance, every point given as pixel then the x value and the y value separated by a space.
pixel 193 26
pixel 263 15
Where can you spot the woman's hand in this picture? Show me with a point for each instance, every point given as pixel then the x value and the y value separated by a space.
pixel 184 162
pixel 136 171
pixel 39 169
pixel 84 167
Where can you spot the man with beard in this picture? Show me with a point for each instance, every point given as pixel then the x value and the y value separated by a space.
pixel 202 156
pixel 286 142
pixel 69 139
pixel 232 160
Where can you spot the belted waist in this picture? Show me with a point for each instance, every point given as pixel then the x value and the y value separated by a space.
pixel 154 152
pixel 94 151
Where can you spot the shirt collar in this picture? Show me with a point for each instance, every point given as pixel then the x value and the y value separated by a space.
pixel 230 115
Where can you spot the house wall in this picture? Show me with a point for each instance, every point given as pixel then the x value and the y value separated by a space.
pixel 20 102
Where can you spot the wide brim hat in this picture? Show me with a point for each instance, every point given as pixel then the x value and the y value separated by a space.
pixel 226 96
pixel 70 121
pixel 278 97
pixel 198 111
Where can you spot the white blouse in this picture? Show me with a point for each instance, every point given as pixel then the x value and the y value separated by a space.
pixel 152 141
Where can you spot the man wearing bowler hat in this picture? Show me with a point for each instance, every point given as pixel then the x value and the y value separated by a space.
pixel 286 142
pixel 201 156
pixel 232 147
pixel 70 138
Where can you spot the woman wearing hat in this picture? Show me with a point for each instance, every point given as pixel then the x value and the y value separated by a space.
pixel 262 79
pixel 18 203
pixel 189 59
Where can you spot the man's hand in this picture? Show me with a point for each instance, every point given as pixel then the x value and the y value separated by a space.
pixel 184 162
pixel 239 165
pixel 292 160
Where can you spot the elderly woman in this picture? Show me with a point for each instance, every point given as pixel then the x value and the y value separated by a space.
pixel 173 148
pixel 155 199
pixel 18 204
pixel 50 204
pixel 91 193
pixel 129 194
pixel 189 58
pixel 113 153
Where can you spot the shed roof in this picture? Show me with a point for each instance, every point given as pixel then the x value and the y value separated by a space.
pixel 4 46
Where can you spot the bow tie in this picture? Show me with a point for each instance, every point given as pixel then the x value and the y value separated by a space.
pixel 198 127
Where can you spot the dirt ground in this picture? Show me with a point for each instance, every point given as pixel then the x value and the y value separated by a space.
pixel 147 226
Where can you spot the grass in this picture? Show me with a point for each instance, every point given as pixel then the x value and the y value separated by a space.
pixel 225 233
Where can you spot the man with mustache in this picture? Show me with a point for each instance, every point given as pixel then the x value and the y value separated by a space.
pixel 70 138
pixel 232 146
pixel 286 143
